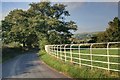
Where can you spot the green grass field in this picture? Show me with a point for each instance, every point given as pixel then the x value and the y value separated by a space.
pixel 85 54
pixel 75 71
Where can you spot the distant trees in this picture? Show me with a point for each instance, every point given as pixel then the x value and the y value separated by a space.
pixel 42 21
pixel 93 39
pixel 112 33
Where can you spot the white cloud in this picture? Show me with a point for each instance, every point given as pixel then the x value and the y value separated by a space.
pixel 72 5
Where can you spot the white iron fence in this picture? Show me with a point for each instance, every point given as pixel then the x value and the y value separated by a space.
pixel 94 55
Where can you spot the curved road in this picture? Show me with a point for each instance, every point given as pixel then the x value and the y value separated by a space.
pixel 28 66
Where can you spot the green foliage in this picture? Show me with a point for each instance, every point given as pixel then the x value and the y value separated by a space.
pixel 89 37
pixel 112 33
pixel 41 18
pixel 42 43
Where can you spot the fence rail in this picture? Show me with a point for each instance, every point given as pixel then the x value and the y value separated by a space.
pixel 89 54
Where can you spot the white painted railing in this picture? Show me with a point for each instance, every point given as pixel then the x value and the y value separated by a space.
pixel 87 54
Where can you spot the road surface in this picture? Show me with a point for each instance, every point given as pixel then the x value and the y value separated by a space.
pixel 28 66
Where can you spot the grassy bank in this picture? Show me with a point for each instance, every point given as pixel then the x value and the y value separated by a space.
pixel 74 70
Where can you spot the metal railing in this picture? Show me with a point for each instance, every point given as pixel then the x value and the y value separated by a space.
pixel 94 55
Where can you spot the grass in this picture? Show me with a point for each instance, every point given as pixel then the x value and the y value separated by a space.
pixel 75 71
pixel 75 53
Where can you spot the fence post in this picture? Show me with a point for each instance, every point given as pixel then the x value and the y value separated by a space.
pixel 108 56
pixel 60 53
pixel 50 49
pixel 57 51
pixel 54 51
pixel 71 53
pixel 91 55
pixel 65 51
pixel 79 55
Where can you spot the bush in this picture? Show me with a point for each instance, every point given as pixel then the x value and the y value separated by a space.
pixel 42 43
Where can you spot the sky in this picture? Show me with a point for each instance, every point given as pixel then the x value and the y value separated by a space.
pixel 61 0
pixel 89 16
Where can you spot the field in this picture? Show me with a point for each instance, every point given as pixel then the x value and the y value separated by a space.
pixel 83 57
pixel 76 71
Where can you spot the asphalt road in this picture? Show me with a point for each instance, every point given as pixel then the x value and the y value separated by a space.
pixel 28 66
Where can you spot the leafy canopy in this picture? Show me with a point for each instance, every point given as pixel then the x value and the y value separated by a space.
pixel 42 20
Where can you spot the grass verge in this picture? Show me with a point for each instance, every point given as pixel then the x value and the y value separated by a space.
pixel 75 71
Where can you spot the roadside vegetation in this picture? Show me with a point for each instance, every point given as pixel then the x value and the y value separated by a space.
pixel 75 71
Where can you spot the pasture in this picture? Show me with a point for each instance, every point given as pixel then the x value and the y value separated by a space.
pixel 102 58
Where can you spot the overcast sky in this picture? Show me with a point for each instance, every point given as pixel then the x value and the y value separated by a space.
pixel 89 16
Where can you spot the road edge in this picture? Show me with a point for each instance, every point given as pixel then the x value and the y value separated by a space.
pixel 55 69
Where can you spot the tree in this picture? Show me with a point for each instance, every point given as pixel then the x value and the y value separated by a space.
pixel 41 19
pixel 112 33
pixel 50 20
pixel 16 28
pixel 93 39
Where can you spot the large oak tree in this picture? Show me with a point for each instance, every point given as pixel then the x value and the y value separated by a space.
pixel 42 20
